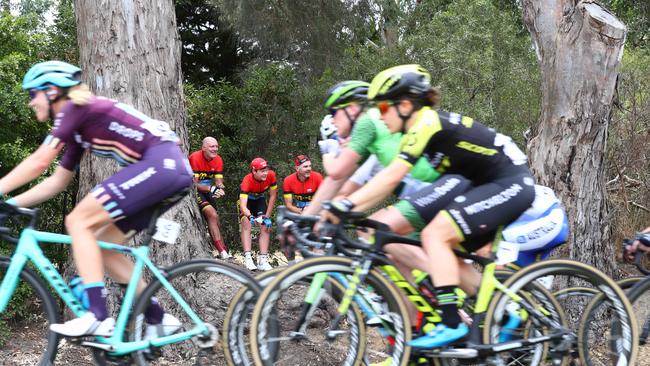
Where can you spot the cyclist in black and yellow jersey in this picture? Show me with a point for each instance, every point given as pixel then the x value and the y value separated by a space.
pixel 501 186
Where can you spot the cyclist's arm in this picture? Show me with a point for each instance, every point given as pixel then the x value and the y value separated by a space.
pixel 273 196
pixel 48 188
pixel 343 165
pixel 30 168
pixel 348 188
pixel 380 186
pixel 326 191
pixel 288 202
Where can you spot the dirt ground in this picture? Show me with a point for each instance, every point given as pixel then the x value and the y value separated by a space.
pixel 22 349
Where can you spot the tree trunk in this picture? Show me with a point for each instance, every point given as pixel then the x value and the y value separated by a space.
pixel 579 46
pixel 130 51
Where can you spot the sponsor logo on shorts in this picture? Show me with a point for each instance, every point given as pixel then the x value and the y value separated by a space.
pixel 493 201
pixel 138 179
pixel 460 221
pixel 537 233
pixel 126 131
pixel 437 192
pixel 116 190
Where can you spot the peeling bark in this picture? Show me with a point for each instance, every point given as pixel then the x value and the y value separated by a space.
pixel 130 51
pixel 579 46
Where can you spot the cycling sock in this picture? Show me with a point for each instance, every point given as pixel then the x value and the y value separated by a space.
pixel 97 299
pixel 220 246
pixel 247 254
pixel 154 313
pixel 448 305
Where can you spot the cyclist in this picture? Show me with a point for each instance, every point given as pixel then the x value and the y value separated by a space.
pixel 501 185
pixel 364 134
pixel 540 229
pixel 300 186
pixel 255 210
pixel 155 170
pixel 208 180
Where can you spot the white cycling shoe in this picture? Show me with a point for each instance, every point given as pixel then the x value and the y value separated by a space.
pixel 85 325
pixel 169 325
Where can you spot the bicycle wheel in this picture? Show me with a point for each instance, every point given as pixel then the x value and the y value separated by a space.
pixel 25 323
pixel 304 330
pixel 236 324
pixel 539 313
pixel 639 296
pixel 207 286
pixel 610 336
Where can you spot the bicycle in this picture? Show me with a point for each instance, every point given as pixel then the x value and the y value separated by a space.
pixel 200 321
pixel 236 328
pixel 361 272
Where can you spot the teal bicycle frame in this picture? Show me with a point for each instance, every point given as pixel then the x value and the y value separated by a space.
pixel 28 250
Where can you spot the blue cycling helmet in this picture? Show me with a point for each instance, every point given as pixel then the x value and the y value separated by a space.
pixel 58 73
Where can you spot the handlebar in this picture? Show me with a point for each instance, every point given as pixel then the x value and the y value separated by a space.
pixel 8 212
pixel 639 255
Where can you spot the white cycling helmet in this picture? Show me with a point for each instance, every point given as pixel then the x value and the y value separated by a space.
pixel 327 128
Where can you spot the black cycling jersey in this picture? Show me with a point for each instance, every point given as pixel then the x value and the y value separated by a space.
pixel 456 144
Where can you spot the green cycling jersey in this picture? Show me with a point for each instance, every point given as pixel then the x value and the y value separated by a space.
pixel 371 136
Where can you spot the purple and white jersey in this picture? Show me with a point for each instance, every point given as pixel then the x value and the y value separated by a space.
pixel 108 128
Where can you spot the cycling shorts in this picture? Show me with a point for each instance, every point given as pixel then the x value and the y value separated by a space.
pixel 130 194
pixel 256 207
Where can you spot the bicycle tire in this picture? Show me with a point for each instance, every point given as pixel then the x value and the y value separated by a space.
pixel 639 296
pixel 234 334
pixel 625 284
pixel 534 294
pixel 268 301
pixel 39 297
pixel 215 278
pixel 609 291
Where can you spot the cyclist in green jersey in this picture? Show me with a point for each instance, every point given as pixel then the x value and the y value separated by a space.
pixel 365 135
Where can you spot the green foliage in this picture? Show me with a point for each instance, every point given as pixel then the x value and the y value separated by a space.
pixel 271 114
pixel 628 148
pixel 210 47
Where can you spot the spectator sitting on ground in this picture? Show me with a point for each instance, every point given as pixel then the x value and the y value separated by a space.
pixel 208 178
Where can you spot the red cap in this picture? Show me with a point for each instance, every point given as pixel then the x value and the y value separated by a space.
pixel 258 163
pixel 301 159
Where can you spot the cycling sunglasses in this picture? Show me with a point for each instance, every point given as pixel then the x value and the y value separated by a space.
pixel 33 91
pixel 384 106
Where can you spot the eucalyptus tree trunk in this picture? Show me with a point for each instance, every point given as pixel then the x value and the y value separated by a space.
pixel 579 46
pixel 130 51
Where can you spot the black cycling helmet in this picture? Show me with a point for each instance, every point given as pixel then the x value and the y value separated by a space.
pixel 400 82
pixel 346 92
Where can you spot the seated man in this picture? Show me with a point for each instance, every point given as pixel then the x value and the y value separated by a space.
pixel 254 209
pixel 208 180
pixel 300 186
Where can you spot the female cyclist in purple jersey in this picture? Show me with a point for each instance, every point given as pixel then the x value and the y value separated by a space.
pixel 155 170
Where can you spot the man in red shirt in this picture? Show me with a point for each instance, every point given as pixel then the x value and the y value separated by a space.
pixel 254 209
pixel 208 179
pixel 300 186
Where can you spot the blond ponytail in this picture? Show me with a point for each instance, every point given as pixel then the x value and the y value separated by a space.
pixel 80 94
